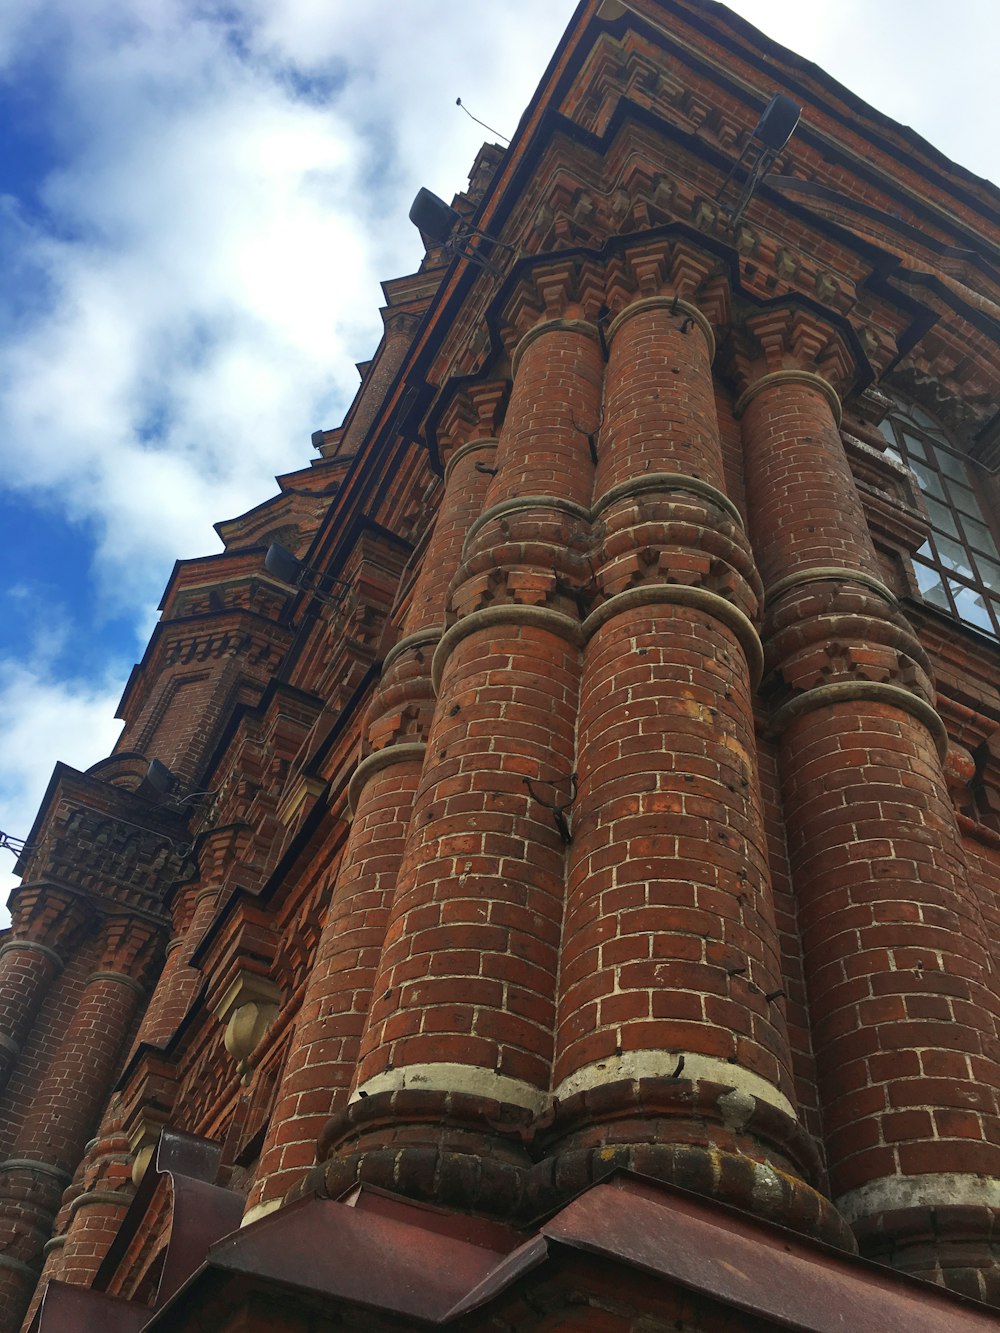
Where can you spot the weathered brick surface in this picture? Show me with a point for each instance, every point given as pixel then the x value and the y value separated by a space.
pixel 601 811
pixel 472 947
pixel 902 1000
pixel 64 1111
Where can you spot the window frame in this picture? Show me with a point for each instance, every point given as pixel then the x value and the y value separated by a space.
pixel 957 568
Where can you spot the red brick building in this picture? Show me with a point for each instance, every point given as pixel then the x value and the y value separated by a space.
pixel 572 903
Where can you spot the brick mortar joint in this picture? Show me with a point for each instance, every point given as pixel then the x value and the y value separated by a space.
pixel 37 945
pixel 120 978
pixel 410 643
pixel 376 762
pixel 550 326
pixel 519 503
pixel 673 306
pixel 830 573
pixel 682 594
pixel 98 1196
pixel 489 617
pixel 847 691
pixel 790 376
pixel 667 481
pixel 464 450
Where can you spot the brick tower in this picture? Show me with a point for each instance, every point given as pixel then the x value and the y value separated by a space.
pixel 565 893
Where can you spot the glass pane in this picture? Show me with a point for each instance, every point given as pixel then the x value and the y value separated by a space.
pixel 886 428
pixel 922 419
pixel 953 555
pixel 952 466
pixel 913 446
pixel 971 606
pixel 930 482
pixel 943 519
pixel 930 584
pixel 989 572
pixel 979 535
pixel 962 498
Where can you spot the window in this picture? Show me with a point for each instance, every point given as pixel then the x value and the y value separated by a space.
pixel 958 567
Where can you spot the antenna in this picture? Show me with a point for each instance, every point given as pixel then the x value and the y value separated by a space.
pixel 459 102
pixel 775 127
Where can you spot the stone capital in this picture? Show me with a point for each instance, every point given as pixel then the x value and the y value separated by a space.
pixel 472 412
pixel 48 915
pixel 558 288
pixel 790 338
pixel 129 946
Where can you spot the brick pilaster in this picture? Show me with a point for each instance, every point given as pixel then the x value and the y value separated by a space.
pixel 460 1032
pixel 325 1045
pixel 903 1004
pixel 672 1052
pixel 45 922
pixel 64 1110
pixel 92 1210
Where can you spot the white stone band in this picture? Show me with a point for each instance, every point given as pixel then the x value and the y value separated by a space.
pixel 662 1064
pixel 943 1189
pixel 446 1077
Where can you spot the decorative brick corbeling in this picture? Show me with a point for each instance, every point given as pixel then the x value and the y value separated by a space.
pixel 901 993
pixel 324 1048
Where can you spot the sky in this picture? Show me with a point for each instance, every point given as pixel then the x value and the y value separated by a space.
pixel 198 199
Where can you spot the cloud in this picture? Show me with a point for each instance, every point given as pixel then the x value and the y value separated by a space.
pixel 208 250
pixel 213 190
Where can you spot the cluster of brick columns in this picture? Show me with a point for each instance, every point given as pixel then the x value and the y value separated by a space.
pixel 93 1208
pixel 552 947
pixel 65 1108
pixel 902 995
pixel 325 1045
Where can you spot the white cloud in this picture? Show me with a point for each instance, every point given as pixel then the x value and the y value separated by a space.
pixel 230 182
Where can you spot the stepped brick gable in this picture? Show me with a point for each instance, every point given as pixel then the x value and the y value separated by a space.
pixel 572 902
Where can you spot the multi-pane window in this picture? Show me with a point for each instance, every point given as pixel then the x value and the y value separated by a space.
pixel 958 567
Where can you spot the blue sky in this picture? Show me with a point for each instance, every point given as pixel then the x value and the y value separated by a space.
pixel 198 199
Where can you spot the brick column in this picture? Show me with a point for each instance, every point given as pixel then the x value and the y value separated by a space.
pixel 459 1039
pixel 324 1049
pixel 673 1056
pixel 92 1210
pixel 178 982
pixel 64 1111
pixel 902 1000
pixel 44 924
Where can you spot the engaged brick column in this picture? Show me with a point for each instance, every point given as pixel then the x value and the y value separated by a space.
pixel 901 996
pixel 324 1050
pixel 44 924
pixel 673 1056
pixel 178 982
pixel 92 1210
pixel 459 1039
pixel 64 1111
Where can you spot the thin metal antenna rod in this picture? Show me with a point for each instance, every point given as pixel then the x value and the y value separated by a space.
pixel 459 102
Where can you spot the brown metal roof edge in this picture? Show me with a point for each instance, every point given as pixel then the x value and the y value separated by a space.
pixel 69 1309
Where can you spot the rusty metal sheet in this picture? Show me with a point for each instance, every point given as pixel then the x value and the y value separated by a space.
pixel 177 1154
pixel 760 1269
pixel 355 1255
pixel 68 1309
pixel 201 1214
